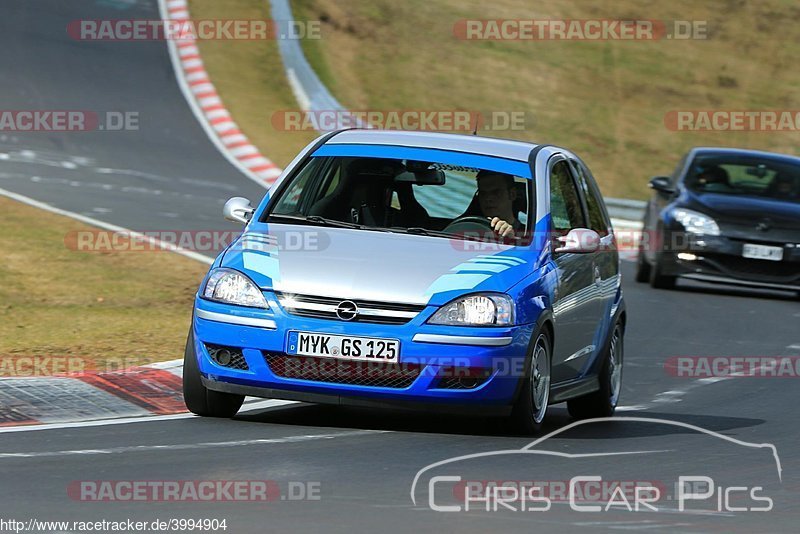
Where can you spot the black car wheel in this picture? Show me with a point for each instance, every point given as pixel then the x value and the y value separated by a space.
pixel 642 267
pixel 603 402
pixel 198 398
pixel 658 280
pixel 531 406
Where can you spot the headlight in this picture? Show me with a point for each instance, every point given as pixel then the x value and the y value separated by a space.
pixel 232 287
pixel 476 310
pixel 695 223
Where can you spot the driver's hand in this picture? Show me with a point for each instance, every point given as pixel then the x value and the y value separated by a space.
pixel 501 227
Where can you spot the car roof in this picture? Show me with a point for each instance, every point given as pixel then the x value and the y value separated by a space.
pixel 745 152
pixel 473 144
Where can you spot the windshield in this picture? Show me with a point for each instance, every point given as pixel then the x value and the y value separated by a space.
pixel 745 175
pixel 407 196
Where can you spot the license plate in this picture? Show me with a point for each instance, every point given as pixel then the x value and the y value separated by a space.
pixel 343 347
pixel 762 252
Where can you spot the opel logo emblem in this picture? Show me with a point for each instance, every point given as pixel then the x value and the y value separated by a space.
pixel 347 310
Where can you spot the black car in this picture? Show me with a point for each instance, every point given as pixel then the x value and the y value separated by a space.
pixel 725 215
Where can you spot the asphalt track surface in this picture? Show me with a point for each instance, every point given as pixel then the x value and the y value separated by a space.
pixel 363 461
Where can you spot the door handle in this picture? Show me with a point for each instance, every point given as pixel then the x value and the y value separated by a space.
pixel 597 278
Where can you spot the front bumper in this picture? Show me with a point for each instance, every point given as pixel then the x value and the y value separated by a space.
pixel 434 353
pixel 720 259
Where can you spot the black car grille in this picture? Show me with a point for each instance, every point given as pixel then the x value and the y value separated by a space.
pixel 230 357
pixel 762 270
pixel 336 371
pixel 369 311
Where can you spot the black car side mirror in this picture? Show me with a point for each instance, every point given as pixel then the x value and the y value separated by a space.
pixel 662 184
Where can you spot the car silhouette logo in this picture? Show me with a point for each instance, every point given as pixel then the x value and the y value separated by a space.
pixel 347 310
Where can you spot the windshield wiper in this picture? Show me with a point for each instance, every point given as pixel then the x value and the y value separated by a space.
pixel 322 221
pixel 416 230
pixel 314 219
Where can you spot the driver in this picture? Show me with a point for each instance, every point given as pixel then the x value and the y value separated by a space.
pixel 782 186
pixel 496 195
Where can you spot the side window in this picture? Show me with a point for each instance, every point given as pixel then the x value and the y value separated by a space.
pixel 565 203
pixel 597 218
pixel 289 203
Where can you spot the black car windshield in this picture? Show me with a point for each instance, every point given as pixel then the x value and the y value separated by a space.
pixel 399 195
pixel 745 175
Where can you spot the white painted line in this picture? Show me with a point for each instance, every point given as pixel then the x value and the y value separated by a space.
pixel 107 226
pixel 259 405
pixel 298 90
pixel 190 446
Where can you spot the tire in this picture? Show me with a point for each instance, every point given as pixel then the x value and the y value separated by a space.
pixel 642 267
pixel 199 399
pixel 531 405
pixel 660 281
pixel 603 402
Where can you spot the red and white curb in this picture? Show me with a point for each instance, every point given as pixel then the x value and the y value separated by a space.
pixel 207 105
pixel 135 392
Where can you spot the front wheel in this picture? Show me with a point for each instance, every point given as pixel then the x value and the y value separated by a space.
pixel 531 406
pixel 642 267
pixel 658 280
pixel 198 398
pixel 603 402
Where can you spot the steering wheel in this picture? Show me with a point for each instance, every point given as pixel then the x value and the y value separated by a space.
pixel 469 223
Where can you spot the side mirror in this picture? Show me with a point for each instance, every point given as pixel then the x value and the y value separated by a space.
pixel 238 209
pixel 579 241
pixel 662 184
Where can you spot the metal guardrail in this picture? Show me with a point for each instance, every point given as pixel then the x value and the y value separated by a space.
pixel 626 209
pixel 312 95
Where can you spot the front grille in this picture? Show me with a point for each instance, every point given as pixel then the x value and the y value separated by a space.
pixel 369 311
pixel 763 270
pixel 462 377
pixel 230 357
pixel 335 371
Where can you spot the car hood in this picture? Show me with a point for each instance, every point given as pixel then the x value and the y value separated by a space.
pixel 371 265
pixel 743 210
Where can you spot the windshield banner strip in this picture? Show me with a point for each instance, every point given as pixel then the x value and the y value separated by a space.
pixel 517 168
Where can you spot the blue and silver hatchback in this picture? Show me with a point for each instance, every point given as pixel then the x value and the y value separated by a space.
pixel 416 270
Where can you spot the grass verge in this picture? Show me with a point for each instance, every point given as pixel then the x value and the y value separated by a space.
pixel 130 307
pixel 606 100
